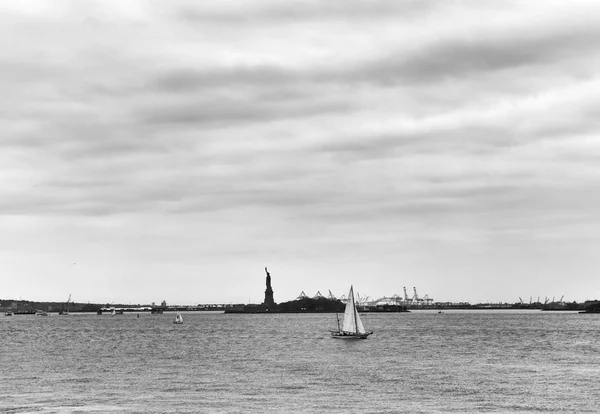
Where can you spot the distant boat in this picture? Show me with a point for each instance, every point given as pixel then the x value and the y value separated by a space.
pixel 352 327
pixel 9 313
pixel 178 318
pixel 65 311
pixel 40 312
pixel 113 312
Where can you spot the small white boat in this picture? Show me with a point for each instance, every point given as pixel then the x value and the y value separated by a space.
pixel 40 312
pixel 9 313
pixel 178 318
pixel 352 327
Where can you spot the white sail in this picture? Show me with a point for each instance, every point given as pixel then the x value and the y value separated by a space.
pixel 352 322
pixel 349 325
pixel 178 318
pixel 359 325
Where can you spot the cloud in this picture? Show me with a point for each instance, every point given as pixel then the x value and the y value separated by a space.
pixel 233 111
pixel 365 127
pixel 190 81
pixel 486 54
pixel 272 12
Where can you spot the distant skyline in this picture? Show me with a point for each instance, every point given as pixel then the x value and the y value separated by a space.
pixel 170 150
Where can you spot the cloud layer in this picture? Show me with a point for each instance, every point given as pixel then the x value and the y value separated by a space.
pixel 448 146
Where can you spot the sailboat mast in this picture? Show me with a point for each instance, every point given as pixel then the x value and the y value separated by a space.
pixel 354 306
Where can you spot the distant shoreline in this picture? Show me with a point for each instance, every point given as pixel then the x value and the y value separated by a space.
pixel 25 307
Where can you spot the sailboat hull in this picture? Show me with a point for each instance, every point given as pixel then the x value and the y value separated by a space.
pixel 338 335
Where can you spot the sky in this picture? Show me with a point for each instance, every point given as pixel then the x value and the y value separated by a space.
pixel 170 150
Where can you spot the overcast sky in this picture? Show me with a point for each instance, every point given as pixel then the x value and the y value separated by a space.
pixel 171 150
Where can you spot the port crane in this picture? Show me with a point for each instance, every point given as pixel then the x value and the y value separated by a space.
pixel 428 301
pixel 406 298
pixel 362 299
pixel 416 297
pixel 301 296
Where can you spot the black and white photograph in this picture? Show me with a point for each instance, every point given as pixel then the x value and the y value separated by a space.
pixel 261 206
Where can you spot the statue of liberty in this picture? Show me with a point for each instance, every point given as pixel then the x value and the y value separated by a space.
pixel 269 302
pixel 268 279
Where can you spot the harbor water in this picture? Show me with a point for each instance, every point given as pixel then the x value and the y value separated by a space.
pixel 423 361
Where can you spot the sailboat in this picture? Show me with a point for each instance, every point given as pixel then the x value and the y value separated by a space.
pixel 352 327
pixel 178 318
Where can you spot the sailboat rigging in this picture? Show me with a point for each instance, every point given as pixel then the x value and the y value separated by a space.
pixel 352 327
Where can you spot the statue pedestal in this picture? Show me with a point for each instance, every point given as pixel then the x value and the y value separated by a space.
pixel 269 303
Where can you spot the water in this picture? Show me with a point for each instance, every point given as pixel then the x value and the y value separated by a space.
pixel 457 361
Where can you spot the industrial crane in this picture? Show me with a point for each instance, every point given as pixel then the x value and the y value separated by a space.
pixel 416 297
pixel 428 301
pixel 362 299
pixel 406 298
